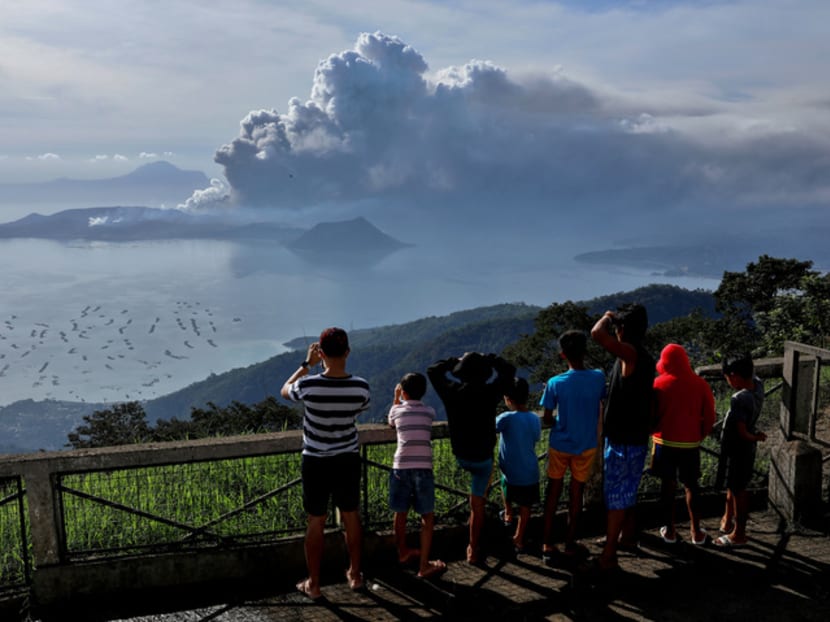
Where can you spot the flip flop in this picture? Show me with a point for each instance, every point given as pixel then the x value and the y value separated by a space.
pixel 434 568
pixel 703 540
pixel 663 531
pixel 725 542
pixel 727 528
pixel 305 590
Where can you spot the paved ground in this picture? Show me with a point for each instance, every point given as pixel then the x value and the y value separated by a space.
pixel 778 576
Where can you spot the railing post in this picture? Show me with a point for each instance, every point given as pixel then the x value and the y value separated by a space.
pixel 44 516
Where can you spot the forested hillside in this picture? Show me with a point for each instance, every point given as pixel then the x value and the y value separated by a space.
pixel 382 355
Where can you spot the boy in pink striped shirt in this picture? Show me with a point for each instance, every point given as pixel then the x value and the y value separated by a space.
pixel 411 482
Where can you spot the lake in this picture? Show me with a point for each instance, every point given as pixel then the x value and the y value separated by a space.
pixel 114 322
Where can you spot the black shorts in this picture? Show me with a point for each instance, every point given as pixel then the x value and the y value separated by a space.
pixel 523 496
pixel 336 477
pixel 675 463
pixel 739 470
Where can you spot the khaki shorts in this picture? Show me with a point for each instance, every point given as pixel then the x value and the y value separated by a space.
pixel 579 464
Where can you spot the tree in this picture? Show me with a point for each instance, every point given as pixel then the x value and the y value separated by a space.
pixel 125 424
pixel 122 424
pixel 771 301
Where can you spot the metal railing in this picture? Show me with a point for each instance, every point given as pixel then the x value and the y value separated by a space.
pixel 116 502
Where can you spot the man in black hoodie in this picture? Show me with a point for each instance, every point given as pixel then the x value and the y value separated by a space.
pixel 470 399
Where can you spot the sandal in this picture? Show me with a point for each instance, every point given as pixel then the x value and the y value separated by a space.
pixel 663 531
pixel 725 542
pixel 703 540
pixel 304 588
pixel 727 527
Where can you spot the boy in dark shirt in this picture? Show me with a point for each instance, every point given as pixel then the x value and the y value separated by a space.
pixel 738 445
pixel 470 399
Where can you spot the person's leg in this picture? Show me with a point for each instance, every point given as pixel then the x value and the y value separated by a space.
pixel 551 503
pixel 668 488
pixel 689 471
pixel 480 480
pixel 694 514
pixel 507 517
pixel 614 528
pixel 401 489
pixel 354 546
pixel 576 492
pixel 727 521
pixel 405 554
pixel 476 523
pixel 741 497
pixel 315 501
pixel 314 538
pixel 346 477
pixel 521 526
pixel 580 472
pixel 428 567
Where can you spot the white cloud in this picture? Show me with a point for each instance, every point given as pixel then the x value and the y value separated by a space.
pixel 145 155
pixel 120 158
pixel 378 124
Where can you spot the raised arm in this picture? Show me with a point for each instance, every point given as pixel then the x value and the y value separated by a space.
pixel 601 333
pixel 312 358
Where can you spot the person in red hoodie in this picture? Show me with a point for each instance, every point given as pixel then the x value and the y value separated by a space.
pixel 684 413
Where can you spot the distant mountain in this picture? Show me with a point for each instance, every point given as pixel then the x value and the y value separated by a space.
pixel 152 185
pixel 349 242
pixel 140 223
pixel 28 425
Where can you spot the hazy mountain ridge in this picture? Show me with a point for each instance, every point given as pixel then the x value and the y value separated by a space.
pixel 382 355
pixel 151 184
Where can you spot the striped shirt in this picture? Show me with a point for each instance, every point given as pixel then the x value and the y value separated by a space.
pixel 413 422
pixel 331 408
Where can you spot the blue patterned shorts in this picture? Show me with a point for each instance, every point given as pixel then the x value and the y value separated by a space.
pixel 622 471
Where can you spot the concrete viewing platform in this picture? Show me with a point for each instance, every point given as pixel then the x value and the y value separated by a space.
pixel 781 575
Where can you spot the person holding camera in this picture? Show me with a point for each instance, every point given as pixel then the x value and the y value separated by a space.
pixel 626 423
pixel 331 467
pixel 470 399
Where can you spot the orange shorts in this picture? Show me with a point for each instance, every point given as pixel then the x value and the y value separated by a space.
pixel 579 464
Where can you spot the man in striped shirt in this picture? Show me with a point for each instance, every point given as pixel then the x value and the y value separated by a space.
pixel 411 482
pixel 332 400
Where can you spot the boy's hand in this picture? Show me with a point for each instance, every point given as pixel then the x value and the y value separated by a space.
pixel 398 392
pixel 313 356
pixel 761 436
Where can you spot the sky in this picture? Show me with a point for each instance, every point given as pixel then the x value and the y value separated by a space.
pixel 290 104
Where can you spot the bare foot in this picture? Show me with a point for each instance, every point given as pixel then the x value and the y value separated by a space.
pixel 304 587
pixel 432 569
pixel 355 580
pixel 472 556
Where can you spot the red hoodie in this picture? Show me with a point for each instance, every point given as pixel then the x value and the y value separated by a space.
pixel 683 400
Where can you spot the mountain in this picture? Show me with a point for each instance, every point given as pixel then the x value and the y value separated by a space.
pixel 153 184
pixel 118 224
pixel 28 425
pixel 346 243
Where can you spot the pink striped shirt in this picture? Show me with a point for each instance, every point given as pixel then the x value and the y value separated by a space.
pixel 412 421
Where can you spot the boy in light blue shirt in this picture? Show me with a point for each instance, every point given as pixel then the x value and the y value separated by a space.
pixel 519 430
pixel 577 396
